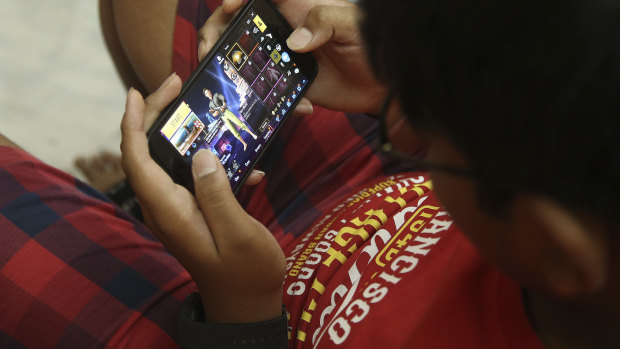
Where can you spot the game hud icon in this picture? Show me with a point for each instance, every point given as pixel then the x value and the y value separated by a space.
pixel 249 72
pixel 282 85
pixel 275 56
pixel 260 58
pixel 247 42
pixel 272 73
pixel 187 134
pixel 261 87
pixel 237 56
pixel 271 100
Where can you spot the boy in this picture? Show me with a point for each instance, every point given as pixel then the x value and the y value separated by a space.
pixel 384 264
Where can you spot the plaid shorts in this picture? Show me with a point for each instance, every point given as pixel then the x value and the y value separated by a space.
pixel 75 270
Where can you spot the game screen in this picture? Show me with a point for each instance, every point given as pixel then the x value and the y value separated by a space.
pixel 238 100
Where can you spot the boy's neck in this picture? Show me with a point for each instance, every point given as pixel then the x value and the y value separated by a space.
pixel 587 323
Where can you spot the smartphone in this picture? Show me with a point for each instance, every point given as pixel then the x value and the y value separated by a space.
pixel 237 99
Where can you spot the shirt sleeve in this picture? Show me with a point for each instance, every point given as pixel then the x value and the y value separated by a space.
pixel 219 99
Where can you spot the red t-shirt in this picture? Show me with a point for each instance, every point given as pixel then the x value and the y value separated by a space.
pixel 385 268
pixel 388 268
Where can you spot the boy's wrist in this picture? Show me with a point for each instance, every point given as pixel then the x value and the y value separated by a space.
pixel 195 332
pixel 239 308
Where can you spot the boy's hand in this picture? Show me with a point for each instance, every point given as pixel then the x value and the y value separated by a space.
pixel 235 261
pixel 295 11
pixel 345 81
pixel 329 28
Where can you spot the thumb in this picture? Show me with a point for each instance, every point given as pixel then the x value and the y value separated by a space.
pixel 323 24
pixel 231 6
pixel 215 198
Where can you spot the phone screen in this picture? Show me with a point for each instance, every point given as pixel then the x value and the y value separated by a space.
pixel 239 98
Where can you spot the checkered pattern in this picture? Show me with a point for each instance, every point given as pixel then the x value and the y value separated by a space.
pixel 77 272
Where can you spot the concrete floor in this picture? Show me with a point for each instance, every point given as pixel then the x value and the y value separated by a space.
pixel 60 96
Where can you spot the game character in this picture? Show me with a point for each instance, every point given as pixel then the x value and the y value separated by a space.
pixel 219 108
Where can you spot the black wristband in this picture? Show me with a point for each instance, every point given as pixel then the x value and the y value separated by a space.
pixel 194 332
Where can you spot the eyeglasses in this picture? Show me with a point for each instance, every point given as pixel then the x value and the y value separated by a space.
pixel 387 148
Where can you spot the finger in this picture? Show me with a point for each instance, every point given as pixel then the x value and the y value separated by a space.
pixel 225 217
pixel 160 99
pixel 323 24
pixel 134 145
pixel 255 177
pixel 148 180
pixel 304 107
pixel 212 30
pixel 231 6
pixel 170 207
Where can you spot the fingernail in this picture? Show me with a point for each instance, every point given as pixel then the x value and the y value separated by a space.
pixel 299 38
pixel 259 172
pixel 167 81
pixel 304 108
pixel 129 98
pixel 203 163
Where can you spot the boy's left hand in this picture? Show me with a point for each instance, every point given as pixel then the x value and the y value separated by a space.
pixel 235 261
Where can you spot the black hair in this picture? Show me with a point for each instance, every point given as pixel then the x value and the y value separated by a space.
pixel 529 90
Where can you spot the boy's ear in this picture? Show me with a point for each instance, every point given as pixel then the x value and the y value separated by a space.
pixel 573 246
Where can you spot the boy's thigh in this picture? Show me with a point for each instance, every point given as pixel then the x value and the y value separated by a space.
pixel 76 271
pixel 146 30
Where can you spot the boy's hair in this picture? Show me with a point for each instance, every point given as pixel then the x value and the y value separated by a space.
pixel 527 89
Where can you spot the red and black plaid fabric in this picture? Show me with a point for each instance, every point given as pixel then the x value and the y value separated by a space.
pixel 77 272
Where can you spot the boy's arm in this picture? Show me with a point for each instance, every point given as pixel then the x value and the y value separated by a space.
pixel 235 261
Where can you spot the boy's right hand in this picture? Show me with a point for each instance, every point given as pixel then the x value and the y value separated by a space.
pixel 329 28
pixel 345 81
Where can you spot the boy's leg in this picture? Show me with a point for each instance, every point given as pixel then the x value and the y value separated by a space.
pixel 229 120
pixel 173 25
pixel 75 270
pixel 7 142
pixel 139 36
pixel 235 120
pixel 102 171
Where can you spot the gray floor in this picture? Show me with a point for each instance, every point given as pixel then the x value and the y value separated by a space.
pixel 60 96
